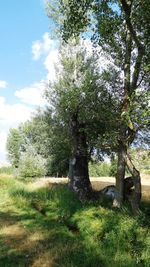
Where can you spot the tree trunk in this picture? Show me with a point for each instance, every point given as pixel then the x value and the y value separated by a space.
pixel 78 165
pixel 124 121
pixel 130 86
pixel 120 176
pixel 136 196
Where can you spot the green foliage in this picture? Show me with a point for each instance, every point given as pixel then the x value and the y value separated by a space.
pixel 99 169
pixel 113 168
pixel 139 156
pixel 59 149
pixel 37 132
pixel 14 143
pixel 31 164
pixel 48 138
pixel 103 169
pixel 67 25
pixel 141 159
pixel 79 92
pixel 120 28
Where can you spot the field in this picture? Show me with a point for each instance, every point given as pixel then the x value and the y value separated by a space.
pixel 42 223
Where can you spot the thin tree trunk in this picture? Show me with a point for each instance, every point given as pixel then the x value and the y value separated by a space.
pixel 78 166
pixel 122 142
pixel 120 176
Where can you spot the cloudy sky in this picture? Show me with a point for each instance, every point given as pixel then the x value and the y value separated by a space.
pixel 27 57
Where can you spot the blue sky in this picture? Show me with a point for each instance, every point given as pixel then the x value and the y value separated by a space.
pixel 22 22
pixel 27 57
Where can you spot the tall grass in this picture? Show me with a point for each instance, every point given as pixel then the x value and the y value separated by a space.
pixel 6 170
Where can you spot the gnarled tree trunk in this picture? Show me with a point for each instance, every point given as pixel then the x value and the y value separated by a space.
pixel 124 161
pixel 130 86
pixel 78 165
pixel 136 195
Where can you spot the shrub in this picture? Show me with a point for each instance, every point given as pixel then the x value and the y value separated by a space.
pixel 31 164
pixel 99 169
pixel 113 168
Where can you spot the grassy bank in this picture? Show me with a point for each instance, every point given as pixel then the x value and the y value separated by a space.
pixel 50 227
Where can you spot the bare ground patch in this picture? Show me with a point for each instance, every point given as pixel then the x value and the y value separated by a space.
pixel 98 183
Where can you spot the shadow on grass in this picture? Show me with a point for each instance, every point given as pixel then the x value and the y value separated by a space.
pixel 61 243
pixel 52 244
pixel 145 214
pixel 51 227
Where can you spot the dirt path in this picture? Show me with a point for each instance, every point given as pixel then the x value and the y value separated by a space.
pixel 106 180
pixel 145 179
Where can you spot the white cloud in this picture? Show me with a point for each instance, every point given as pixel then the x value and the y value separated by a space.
pixel 10 117
pixel 36 50
pixel 33 94
pixel 46 47
pixel 3 138
pixel 42 47
pixel 50 63
pixel 3 84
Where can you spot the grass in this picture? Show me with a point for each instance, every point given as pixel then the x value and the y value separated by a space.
pixel 7 170
pixel 51 227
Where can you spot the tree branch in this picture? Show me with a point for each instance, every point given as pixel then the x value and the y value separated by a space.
pixel 142 78
pixel 137 69
pixel 127 10
pixel 131 135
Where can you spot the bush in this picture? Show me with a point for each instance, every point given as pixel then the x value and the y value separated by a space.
pixel 99 169
pixel 56 166
pixel 31 164
pixel 113 168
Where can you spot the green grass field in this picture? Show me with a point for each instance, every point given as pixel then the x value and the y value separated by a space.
pixel 49 227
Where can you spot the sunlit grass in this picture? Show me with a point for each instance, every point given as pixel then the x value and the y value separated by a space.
pixel 51 227
pixel 6 170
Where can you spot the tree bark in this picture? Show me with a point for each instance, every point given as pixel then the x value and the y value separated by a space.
pixel 136 196
pixel 124 120
pixel 78 165
pixel 130 85
pixel 120 176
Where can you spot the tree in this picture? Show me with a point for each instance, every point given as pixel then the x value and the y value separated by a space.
pixel 47 137
pixel 80 100
pixel 121 28
pixel 59 148
pixel 37 132
pixel 75 93
pixel 31 164
pixel 14 143
pixel 50 139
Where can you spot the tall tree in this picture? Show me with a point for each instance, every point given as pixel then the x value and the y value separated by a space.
pixel 121 28
pixel 79 99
